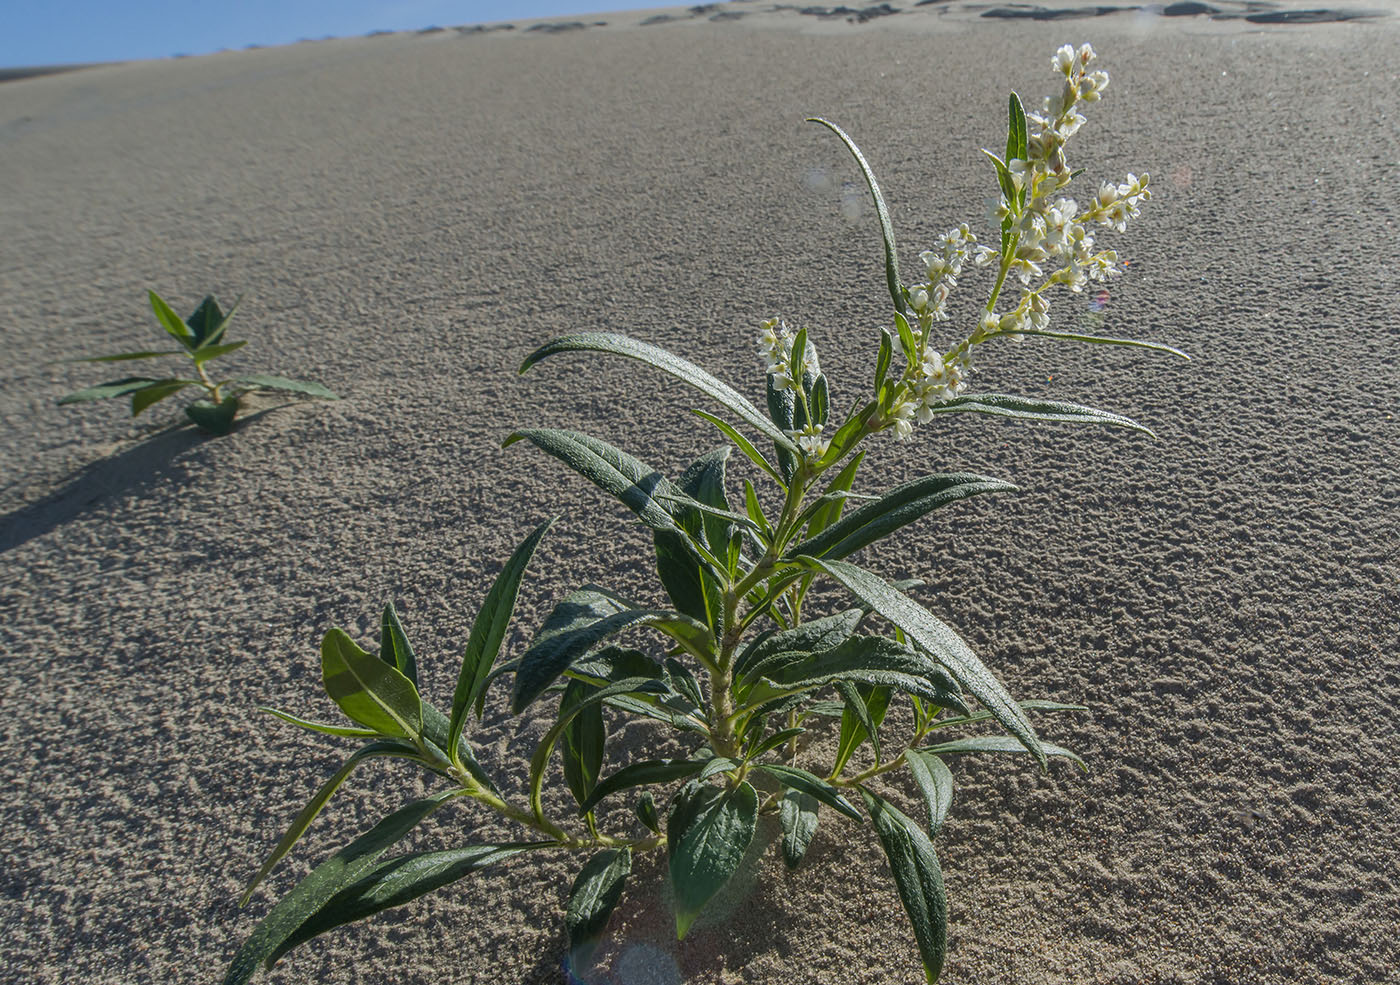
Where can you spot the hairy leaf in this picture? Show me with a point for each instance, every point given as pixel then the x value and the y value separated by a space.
pixel 682 369
pixel 394 648
pixel 897 508
pixel 812 785
pixel 642 773
pixel 937 639
pixel 594 894
pixel 368 690
pixel 892 280
pixel 935 782
pixel 708 832
pixel 917 877
pixel 341 870
pixel 1005 405
pixel 489 629
pixel 797 816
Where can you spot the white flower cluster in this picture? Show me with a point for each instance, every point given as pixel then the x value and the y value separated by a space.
pixel 811 443
pixel 1044 242
pixel 775 342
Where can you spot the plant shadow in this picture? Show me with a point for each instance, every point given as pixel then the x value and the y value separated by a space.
pixel 152 461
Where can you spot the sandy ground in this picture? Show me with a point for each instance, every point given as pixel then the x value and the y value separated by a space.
pixel 409 215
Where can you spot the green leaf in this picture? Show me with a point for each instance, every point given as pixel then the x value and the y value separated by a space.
pixel 113 388
pixel 211 417
pixel 642 773
pixel 861 718
pixel 682 369
pixel 170 321
pixel 646 811
pixel 744 444
pixel 810 637
pixel 937 639
pixel 567 715
pixel 400 880
pixel 259 381
pixel 319 800
pixel 488 630
pixel 125 356
pixel 812 785
pixel 1008 190
pixel 1005 405
pixel 155 393
pixel 871 660
pixel 340 730
pixel 773 741
pixel 918 879
pixel 592 898
pixel 755 511
pixel 578 623
pixel 899 507
pixel 646 492
pixel 848 434
pixel 368 690
pixel 935 782
pixel 341 870
pixel 1101 340
pixel 998 743
pixel 892 280
pixel 394 648
pixel 718 764
pixel 785 411
pixel 882 362
pixel 830 513
pixel 820 400
pixel 583 740
pixel 205 353
pixel 708 833
pixel 703 481
pixel 906 339
pixel 1016 148
pixel 797 816
pixel 205 321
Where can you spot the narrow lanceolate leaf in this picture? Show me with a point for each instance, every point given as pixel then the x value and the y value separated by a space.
pixel 400 880
pixel 112 388
pixel 785 412
pixel 259 381
pixel 886 229
pixel 583 741
pixel 938 640
pixel 368 690
pixel 122 357
pixel 643 773
pixel 341 870
pixel 744 444
pixel 155 393
pixel 864 712
pixel 205 321
pixel 170 321
pixel 1102 340
pixel 998 743
pixel 917 877
pixel 882 361
pixel 812 785
pixel 831 512
pixel 682 369
pixel 810 637
pixel 1005 405
pixel 578 623
pixel 935 782
pixel 207 352
pixel 592 898
pixel 897 508
pixel 394 648
pixel 340 730
pixel 1016 147
pixel 797 816
pixel 707 834
pixel 318 801
pixel 872 660
pixel 489 629
pixel 643 490
pixel 646 811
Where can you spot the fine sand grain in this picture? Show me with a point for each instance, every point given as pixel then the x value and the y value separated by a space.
pixel 408 215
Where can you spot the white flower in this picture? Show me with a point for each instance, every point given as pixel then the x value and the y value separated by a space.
pixel 1063 60
pixel 810 443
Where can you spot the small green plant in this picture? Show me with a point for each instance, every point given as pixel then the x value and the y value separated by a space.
pixel 787 716
pixel 201 337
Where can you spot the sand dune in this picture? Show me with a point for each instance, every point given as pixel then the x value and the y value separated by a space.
pixel 409 215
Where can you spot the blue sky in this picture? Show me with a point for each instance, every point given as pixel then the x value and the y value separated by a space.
pixel 57 32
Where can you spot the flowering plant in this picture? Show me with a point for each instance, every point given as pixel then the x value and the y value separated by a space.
pixel 736 665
